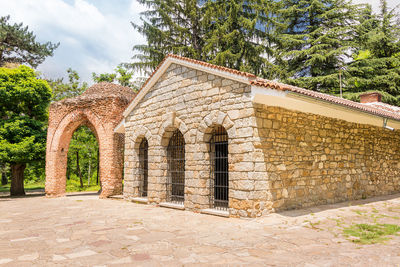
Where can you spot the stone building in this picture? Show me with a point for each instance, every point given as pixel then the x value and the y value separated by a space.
pixel 211 139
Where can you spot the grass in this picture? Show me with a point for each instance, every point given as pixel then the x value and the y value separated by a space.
pixel 72 186
pixel 370 233
pixel 28 186
pixel 75 186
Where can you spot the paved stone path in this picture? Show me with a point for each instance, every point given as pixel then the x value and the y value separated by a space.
pixel 82 230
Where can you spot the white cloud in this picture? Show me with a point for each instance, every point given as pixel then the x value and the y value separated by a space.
pixel 95 35
pixel 91 40
pixel 376 3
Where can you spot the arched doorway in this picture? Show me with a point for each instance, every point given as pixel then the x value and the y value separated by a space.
pixel 99 108
pixel 176 168
pixel 219 172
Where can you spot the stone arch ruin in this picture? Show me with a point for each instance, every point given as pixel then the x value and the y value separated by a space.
pixel 100 108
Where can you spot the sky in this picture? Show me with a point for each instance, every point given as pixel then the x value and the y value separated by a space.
pixel 94 35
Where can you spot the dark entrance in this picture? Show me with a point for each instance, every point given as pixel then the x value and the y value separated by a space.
pixel 144 167
pixel 176 164
pixel 219 184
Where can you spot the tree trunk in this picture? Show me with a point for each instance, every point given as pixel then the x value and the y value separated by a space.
pixel 98 167
pixel 17 179
pixel 89 169
pixel 78 169
pixel 4 179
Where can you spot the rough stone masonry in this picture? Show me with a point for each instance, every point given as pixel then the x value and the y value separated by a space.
pixel 278 158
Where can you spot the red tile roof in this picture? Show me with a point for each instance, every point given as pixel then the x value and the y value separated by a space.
pixel 385 110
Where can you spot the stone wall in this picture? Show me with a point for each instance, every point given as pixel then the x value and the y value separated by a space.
pixel 195 102
pixel 313 160
pixel 278 159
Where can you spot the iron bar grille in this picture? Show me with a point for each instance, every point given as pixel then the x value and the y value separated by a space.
pixel 219 184
pixel 144 167
pixel 176 164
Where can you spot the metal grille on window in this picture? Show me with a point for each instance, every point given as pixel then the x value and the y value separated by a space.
pixel 176 164
pixel 144 167
pixel 219 184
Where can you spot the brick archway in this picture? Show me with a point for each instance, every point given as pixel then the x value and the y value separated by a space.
pixel 100 108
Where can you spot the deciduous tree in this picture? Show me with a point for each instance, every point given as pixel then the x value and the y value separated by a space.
pixel 72 88
pixel 23 111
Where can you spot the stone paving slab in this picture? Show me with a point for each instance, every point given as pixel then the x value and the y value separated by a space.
pixel 82 230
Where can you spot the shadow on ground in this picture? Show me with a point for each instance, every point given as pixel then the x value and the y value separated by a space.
pixel 349 203
pixel 4 196
pixel 75 194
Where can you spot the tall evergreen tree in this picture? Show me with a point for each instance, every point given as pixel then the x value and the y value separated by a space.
pixel 170 27
pixel 230 33
pixel 239 35
pixel 376 64
pixel 315 39
pixel 18 45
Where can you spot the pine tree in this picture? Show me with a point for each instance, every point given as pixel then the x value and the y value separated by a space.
pixel 376 64
pixel 170 27
pixel 239 35
pixel 230 33
pixel 18 45
pixel 314 40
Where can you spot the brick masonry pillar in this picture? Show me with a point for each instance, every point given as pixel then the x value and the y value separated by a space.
pixel 100 108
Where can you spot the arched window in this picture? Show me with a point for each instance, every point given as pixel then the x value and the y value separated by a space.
pixel 219 184
pixel 144 167
pixel 176 168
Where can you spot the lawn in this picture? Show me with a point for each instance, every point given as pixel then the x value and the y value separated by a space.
pixel 72 186
pixel 28 186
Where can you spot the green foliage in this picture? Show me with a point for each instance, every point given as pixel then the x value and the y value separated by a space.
pixel 122 76
pixel 85 143
pixel 314 38
pixel 311 44
pixel 29 186
pixel 370 233
pixel 169 27
pixel 386 97
pixel 237 34
pixel 18 45
pixel 35 172
pixel 305 43
pixel 23 108
pixel 376 64
pixel 104 77
pixel 38 184
pixel 231 33
pixel 72 88
pixel 73 185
